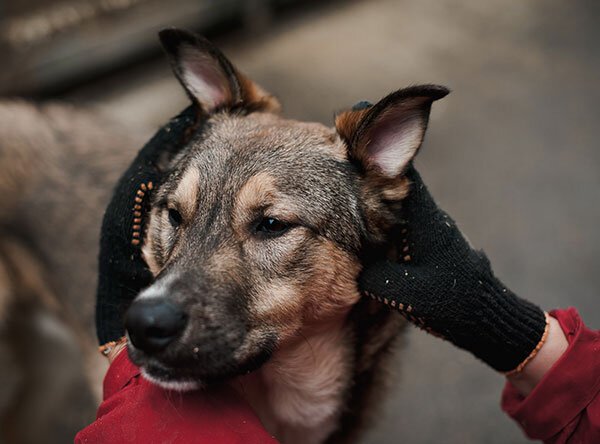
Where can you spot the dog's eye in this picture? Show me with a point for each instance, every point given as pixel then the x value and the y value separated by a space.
pixel 272 226
pixel 175 217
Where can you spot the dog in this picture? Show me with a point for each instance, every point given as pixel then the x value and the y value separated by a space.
pixel 255 237
pixel 58 166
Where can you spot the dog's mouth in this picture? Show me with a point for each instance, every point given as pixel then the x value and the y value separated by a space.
pixel 168 378
pixel 185 373
pixel 183 348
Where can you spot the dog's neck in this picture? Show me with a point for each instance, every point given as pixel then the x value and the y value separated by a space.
pixel 298 395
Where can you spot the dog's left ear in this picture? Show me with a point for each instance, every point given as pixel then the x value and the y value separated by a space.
pixel 209 78
pixel 385 137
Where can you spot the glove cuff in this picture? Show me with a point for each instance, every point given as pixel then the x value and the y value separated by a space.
pixel 106 348
pixel 509 330
pixel 535 351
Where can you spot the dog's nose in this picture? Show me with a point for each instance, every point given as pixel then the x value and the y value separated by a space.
pixel 153 324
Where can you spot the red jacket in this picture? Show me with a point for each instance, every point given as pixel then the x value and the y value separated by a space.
pixel 563 408
pixel 565 405
pixel 135 411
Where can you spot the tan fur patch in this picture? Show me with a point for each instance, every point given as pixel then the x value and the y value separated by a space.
pixel 149 240
pixel 278 297
pixel 280 303
pixel 308 382
pixel 333 287
pixel 186 194
pixel 257 97
pixel 259 191
pixel 184 200
pixel 396 190
pixel 347 123
pixel 377 189
pixel 299 393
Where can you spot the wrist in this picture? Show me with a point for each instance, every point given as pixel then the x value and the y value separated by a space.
pixel 550 351
pixel 506 330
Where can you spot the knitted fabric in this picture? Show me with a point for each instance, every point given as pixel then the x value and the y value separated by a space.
pixel 447 288
pixel 122 271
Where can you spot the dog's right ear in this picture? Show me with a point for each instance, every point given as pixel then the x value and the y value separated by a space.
pixel 383 138
pixel 209 78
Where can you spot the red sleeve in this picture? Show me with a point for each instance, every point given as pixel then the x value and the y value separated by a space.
pixel 134 410
pixel 565 405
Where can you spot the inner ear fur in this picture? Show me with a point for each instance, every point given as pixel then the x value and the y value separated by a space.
pixel 209 78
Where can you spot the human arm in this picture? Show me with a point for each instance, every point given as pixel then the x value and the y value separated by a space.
pixel 564 406
pixel 550 351
pixel 447 288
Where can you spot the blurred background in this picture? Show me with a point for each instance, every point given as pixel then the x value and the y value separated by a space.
pixel 512 154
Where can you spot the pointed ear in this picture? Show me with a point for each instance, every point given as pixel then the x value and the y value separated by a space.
pixel 209 78
pixel 385 137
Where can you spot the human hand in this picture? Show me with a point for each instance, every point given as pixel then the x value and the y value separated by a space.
pixel 122 270
pixel 446 287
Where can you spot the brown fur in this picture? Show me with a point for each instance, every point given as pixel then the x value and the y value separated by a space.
pixel 300 394
pixel 278 317
pixel 261 100
pixel 309 327
pixel 58 165
pixel 347 123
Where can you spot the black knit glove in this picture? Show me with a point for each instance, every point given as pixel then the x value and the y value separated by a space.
pixel 123 272
pixel 447 288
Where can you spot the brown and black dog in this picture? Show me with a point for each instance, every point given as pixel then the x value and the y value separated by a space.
pixel 256 236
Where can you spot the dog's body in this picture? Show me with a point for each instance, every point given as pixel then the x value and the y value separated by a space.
pixel 257 233
pixel 58 165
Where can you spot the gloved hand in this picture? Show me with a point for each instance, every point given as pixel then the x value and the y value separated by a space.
pixel 444 286
pixel 123 272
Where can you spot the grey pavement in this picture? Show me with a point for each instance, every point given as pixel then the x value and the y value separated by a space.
pixel 512 154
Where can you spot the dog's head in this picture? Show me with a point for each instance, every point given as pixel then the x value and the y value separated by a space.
pixel 256 231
